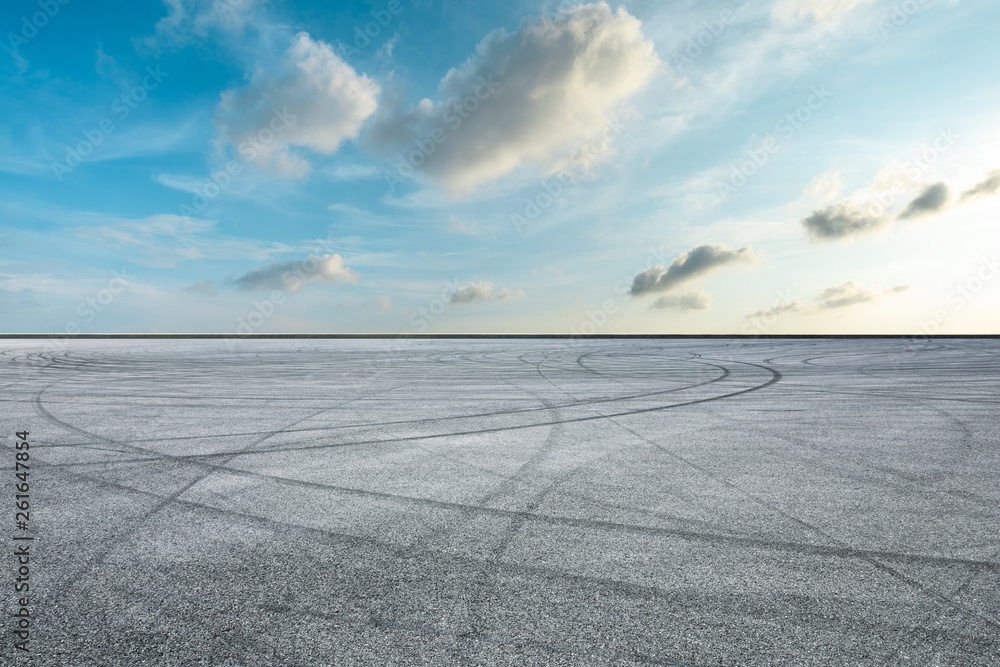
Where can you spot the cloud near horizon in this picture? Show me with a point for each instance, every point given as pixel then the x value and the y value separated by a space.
pixel 852 292
pixel 483 291
pixel 289 276
pixel 776 310
pixel 696 299
pixel 699 261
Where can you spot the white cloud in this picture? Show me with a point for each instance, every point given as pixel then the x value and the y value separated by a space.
pixel 483 291
pixel 310 98
pixel 696 299
pixel 291 275
pixel 467 227
pixel 986 188
pixel 824 189
pixel 188 19
pixel 777 309
pixel 852 292
pixel 352 172
pixel 204 287
pixel 846 294
pixel 820 10
pixel 180 182
pixel 529 97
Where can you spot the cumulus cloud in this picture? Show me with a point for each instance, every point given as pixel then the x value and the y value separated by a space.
pixel 696 299
pixel 697 262
pixel 853 292
pixel 933 199
pixel 529 97
pixel 842 220
pixel 291 275
pixel 310 98
pixel 984 189
pixel 483 291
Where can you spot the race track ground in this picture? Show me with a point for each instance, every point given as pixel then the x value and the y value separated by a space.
pixel 507 502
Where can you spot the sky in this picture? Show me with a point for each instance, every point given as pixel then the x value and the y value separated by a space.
pixel 435 166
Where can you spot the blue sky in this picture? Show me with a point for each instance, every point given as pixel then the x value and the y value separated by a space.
pixel 794 166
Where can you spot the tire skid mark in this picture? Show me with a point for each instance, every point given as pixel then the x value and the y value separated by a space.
pixel 407 551
pixel 864 555
pixel 426 420
pixel 126 532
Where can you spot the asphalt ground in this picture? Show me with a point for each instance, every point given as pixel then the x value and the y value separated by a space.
pixel 505 502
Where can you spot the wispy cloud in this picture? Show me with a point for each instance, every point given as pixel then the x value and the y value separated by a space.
pixel 776 310
pixel 483 291
pixel 986 188
pixel 188 20
pixel 352 172
pixel 467 227
pixel 852 292
pixel 696 299
pixel 818 10
pixel 204 287
pixel 166 240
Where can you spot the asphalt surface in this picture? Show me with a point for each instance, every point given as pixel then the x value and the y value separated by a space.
pixel 506 502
